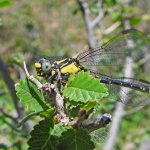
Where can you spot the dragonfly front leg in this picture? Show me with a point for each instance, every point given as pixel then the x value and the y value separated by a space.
pixel 52 76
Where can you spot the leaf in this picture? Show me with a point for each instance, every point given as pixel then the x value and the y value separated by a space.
pixel 85 90
pixel 5 3
pixel 41 137
pixel 30 96
pixel 94 8
pixel 135 21
pixel 58 129
pixel 75 11
pixel 90 104
pixel 73 140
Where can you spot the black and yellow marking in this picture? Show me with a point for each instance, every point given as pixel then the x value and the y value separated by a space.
pixel 69 66
pixel 102 56
pixel 138 87
pixel 66 67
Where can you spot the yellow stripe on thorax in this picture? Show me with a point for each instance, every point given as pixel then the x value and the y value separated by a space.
pixel 72 69
pixel 58 62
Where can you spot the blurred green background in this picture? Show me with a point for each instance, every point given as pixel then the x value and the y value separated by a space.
pixel 58 28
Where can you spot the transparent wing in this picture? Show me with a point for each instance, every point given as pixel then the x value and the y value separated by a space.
pixel 126 95
pixel 128 43
pixel 100 136
pixel 38 56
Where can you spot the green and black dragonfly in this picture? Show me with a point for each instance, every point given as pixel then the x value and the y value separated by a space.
pixel 130 43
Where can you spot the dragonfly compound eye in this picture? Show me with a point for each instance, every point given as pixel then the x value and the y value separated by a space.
pixel 46 66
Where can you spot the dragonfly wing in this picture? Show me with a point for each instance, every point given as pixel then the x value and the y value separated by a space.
pixel 128 96
pixel 38 56
pixel 131 43
pixel 125 93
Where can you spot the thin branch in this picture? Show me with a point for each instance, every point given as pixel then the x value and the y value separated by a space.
pixel 99 123
pixel 100 14
pixel 51 94
pixel 134 110
pixel 10 84
pixel 112 27
pixel 120 108
pixel 15 120
pixel 145 59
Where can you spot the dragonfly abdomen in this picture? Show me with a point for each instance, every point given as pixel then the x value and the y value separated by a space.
pixel 138 87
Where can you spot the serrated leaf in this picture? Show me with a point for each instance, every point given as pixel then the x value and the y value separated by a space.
pixel 83 89
pixel 75 140
pixel 30 96
pixel 41 137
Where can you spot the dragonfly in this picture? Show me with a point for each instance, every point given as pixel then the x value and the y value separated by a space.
pixel 129 43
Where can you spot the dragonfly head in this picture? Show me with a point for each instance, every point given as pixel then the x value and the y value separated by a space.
pixel 43 67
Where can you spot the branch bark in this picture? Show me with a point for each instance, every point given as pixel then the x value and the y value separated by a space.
pixel 91 24
pixel 10 84
pixel 120 107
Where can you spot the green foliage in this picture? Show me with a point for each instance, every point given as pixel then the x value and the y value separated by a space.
pixel 72 140
pixel 41 137
pixel 50 136
pixel 30 97
pixel 85 90
pixel 47 136
pixel 25 31
pixel 83 93
pixel 5 3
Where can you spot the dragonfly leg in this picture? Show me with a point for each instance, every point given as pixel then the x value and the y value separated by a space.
pixel 52 76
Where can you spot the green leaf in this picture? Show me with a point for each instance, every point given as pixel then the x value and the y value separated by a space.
pixel 89 105
pixel 115 16
pixel 30 96
pixel 73 140
pixel 58 129
pixel 94 8
pixel 5 3
pixel 41 137
pixel 135 21
pixel 75 11
pixel 71 78
pixel 85 90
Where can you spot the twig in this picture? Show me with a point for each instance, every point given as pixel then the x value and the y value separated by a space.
pixel 99 123
pixel 134 110
pixel 100 14
pixel 120 108
pixel 112 27
pixel 57 100
pixel 15 120
pixel 10 84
